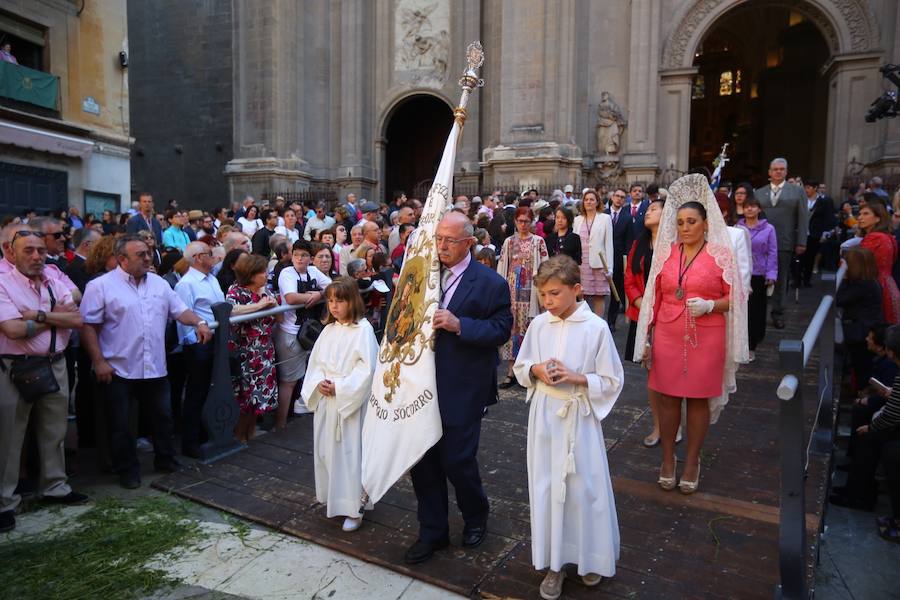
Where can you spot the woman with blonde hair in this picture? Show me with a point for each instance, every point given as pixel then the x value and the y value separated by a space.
pixel 101 257
pixel 597 258
pixel 692 326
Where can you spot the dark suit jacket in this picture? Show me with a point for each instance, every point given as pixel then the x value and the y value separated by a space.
pixel 623 232
pixel 821 218
pixel 637 221
pixel 466 364
pixel 137 223
pixel 75 271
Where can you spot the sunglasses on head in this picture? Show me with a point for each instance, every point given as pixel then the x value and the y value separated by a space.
pixel 26 233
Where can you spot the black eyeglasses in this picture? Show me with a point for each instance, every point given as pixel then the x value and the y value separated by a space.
pixel 58 235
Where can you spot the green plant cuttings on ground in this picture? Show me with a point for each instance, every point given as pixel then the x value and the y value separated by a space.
pixel 101 553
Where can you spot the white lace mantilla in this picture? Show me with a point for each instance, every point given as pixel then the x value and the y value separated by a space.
pixel 695 188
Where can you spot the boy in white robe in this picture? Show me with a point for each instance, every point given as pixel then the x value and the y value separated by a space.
pixel 337 384
pixel 573 374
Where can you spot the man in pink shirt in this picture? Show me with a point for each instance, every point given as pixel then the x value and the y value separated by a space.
pixel 125 313
pixel 7 263
pixel 37 315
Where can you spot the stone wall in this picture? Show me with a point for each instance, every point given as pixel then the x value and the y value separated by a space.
pixel 288 96
pixel 181 100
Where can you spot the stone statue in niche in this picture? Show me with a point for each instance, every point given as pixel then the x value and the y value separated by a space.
pixel 422 40
pixel 610 126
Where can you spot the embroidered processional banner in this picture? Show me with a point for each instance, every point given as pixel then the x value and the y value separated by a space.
pixel 402 416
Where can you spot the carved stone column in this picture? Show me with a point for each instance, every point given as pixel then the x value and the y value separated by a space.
pixel 673 127
pixel 530 93
pixel 356 169
pixel 268 47
pixel 640 160
pixel 853 81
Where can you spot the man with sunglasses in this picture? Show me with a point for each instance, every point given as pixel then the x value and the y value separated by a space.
pixel 125 313
pixel 54 238
pixel 199 290
pixel 51 271
pixel 37 315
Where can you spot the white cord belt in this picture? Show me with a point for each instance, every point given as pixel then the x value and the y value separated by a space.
pixel 575 401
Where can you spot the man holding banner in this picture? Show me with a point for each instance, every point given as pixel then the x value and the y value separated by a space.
pixel 437 365
pixel 472 321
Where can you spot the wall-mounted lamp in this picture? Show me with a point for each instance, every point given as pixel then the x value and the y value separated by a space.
pixel 123 59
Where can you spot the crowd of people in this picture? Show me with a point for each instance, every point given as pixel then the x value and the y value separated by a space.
pixel 116 309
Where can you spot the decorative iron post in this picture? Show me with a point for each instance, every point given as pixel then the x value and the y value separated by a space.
pixel 220 411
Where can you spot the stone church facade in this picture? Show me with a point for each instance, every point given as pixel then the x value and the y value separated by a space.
pixel 284 96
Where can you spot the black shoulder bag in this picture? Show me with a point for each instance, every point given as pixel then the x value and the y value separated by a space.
pixel 310 328
pixel 33 375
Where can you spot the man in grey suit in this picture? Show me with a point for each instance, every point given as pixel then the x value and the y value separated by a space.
pixel 785 208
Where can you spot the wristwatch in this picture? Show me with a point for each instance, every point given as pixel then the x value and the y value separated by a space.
pixel 41 317
pixel 204 323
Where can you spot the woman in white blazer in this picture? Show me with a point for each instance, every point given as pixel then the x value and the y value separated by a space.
pixel 597 261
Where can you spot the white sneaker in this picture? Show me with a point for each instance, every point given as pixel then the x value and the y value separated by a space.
pixel 591 579
pixel 144 445
pixel 352 523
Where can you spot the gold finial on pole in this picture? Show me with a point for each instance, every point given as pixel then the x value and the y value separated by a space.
pixel 470 80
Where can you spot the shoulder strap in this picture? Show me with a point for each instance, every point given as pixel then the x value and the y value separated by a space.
pixel 52 328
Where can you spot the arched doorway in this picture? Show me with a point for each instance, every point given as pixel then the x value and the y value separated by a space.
pixel 759 86
pixel 414 140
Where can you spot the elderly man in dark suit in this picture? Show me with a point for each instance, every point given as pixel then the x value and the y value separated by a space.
pixel 82 239
pixel 472 321
pixel 623 236
pixel 785 208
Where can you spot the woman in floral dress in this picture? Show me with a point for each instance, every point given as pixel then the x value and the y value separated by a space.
pixel 251 345
pixel 520 258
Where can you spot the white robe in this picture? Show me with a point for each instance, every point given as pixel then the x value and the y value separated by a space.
pixel 573 513
pixel 740 243
pixel 344 354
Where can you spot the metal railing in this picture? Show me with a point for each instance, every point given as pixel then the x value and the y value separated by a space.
pixel 794 355
pixel 220 411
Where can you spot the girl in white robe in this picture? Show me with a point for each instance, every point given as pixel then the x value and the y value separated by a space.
pixel 337 384
pixel 573 374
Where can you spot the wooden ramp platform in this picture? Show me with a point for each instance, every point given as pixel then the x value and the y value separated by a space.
pixel 719 543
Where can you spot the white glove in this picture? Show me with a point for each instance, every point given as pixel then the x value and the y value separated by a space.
pixel 700 307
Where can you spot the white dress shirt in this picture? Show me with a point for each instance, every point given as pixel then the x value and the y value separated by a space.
pixel 199 292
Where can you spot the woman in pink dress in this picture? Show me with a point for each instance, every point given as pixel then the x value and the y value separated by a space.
pixel 875 221
pixel 688 334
